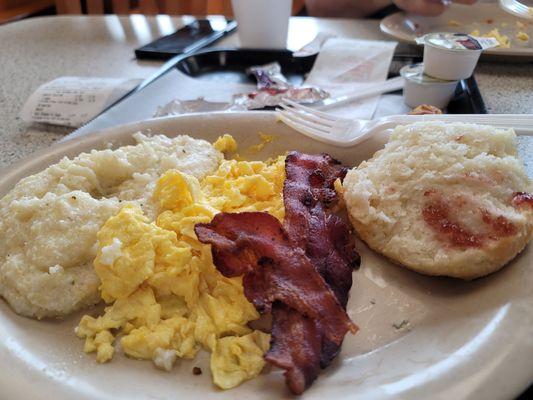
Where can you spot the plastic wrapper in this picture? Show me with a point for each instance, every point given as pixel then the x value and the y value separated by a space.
pixel 269 76
pixel 271 98
pixel 273 86
pixel 177 107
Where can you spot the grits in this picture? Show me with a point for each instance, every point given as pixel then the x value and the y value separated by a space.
pixel 49 221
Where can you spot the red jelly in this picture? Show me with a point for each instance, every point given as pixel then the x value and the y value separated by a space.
pixel 521 198
pixel 436 215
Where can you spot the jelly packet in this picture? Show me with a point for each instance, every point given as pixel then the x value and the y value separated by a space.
pixel 273 86
pixel 269 76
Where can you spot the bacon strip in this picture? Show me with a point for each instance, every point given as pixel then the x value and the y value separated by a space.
pixel 302 273
pixel 296 347
pixel 255 245
pixel 310 198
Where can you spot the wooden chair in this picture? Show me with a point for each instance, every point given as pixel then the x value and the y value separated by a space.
pixel 151 7
pixel 12 10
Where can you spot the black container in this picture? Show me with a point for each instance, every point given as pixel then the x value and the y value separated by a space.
pixel 230 65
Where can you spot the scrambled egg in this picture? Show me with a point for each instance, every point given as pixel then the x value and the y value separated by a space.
pixel 165 297
pixel 265 139
pixel 226 144
pixel 502 39
pixel 522 36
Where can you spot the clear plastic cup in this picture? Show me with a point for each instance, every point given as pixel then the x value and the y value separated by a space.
pixel 262 24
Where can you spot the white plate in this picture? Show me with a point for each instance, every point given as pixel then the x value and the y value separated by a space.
pixel 464 340
pixel 406 27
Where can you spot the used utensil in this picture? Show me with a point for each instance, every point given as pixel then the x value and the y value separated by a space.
pixel 346 132
pixel 517 8
pixel 373 89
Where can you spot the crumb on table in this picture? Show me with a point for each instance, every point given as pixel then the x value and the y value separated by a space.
pixel 522 36
pixel 454 23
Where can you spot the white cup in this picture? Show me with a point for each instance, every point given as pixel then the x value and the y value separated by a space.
pixel 445 59
pixel 449 64
pixel 422 89
pixel 262 23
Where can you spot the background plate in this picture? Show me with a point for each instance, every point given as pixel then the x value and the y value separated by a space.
pixel 482 17
pixel 459 340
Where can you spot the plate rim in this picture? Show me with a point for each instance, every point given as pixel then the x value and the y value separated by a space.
pixel 103 136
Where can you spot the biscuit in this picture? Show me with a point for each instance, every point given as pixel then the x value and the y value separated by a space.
pixel 443 199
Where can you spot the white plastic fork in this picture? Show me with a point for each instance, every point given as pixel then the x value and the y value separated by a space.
pixel 345 132
pixel 517 8
pixel 368 90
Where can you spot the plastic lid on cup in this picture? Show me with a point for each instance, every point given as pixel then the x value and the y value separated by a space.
pixel 415 73
pixel 457 41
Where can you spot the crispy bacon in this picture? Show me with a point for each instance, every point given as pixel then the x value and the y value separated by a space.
pixel 296 347
pixel 425 109
pixel 310 198
pixel 255 245
pixel 301 274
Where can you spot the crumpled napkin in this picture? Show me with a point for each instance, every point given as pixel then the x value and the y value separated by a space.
pixel 342 67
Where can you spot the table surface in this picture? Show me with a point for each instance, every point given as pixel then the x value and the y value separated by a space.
pixel 37 50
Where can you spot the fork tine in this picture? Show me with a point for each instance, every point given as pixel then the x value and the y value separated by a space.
pixel 306 117
pixel 311 110
pixel 312 119
pixel 304 122
pixel 300 128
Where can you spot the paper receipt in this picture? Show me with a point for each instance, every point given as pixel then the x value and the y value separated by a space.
pixel 73 101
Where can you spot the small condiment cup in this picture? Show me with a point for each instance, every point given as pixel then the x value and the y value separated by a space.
pixel 450 56
pixel 422 89
pixel 262 24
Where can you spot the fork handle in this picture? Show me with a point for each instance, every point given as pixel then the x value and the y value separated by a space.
pixel 372 89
